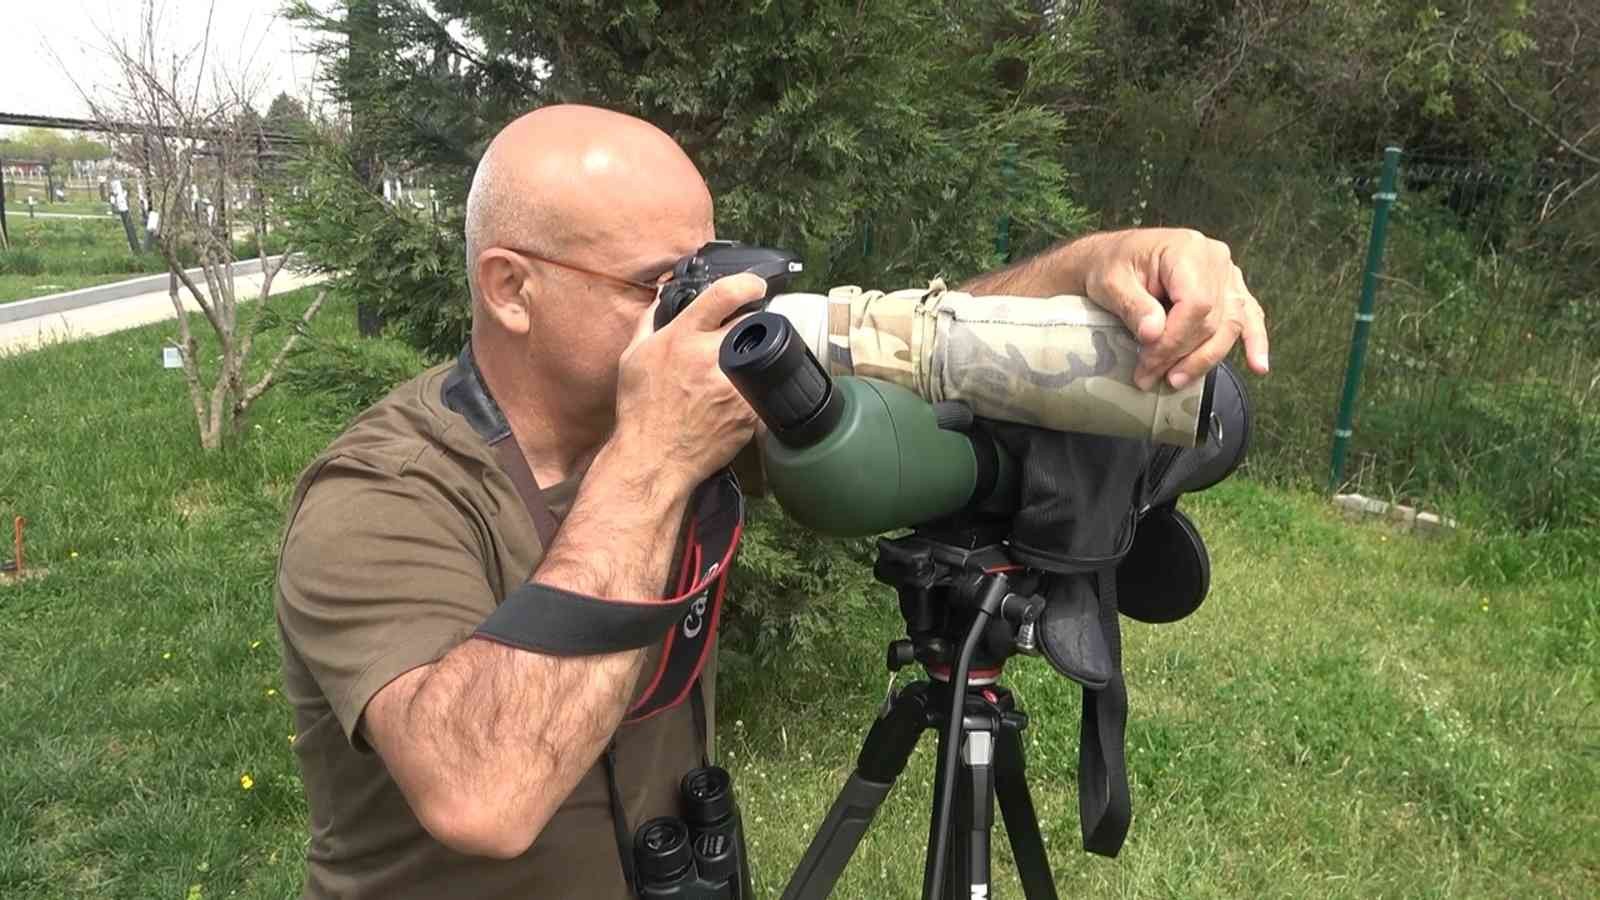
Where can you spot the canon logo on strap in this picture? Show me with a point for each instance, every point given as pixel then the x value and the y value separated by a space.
pixel 695 620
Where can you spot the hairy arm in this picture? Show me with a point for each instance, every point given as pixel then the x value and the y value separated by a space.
pixel 488 742
pixel 1062 269
pixel 1177 290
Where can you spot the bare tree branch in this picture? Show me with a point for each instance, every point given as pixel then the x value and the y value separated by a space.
pixel 260 387
pixel 1572 148
pixel 191 366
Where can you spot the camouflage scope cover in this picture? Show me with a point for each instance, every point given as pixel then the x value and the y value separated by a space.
pixel 1060 362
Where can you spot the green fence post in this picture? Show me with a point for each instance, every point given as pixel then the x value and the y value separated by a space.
pixel 1369 288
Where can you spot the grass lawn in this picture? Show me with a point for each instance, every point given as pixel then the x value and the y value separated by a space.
pixel 1353 713
pixel 80 199
pixel 52 255
pixel 48 256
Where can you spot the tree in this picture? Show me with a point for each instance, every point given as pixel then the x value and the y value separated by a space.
pixel 52 145
pixel 286 115
pixel 880 140
pixel 198 143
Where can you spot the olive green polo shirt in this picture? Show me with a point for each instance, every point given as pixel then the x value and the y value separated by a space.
pixel 402 537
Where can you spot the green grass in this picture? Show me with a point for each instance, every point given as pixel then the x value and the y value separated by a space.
pixel 1353 713
pixel 80 199
pixel 48 256
pixel 51 255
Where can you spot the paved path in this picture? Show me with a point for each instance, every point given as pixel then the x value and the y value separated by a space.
pixel 51 304
pixel 125 311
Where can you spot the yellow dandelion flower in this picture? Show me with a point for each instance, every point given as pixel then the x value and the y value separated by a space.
pixel 73 554
pixel 272 692
pixel 166 656
pixel 246 782
pixel 254 644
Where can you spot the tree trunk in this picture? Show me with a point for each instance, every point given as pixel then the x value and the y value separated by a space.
pixel 363 31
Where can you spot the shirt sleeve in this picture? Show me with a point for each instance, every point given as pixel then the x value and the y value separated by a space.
pixel 380 573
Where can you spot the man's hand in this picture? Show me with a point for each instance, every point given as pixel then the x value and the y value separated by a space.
pixel 677 413
pixel 1130 273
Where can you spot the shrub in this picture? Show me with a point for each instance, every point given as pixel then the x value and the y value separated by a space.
pixel 350 373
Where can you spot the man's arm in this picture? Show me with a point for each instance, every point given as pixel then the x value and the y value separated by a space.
pixel 488 742
pixel 1062 269
pixel 1127 271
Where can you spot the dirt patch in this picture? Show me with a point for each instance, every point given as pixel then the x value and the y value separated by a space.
pixel 7 578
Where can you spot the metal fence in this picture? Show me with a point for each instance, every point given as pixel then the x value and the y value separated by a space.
pixel 1479 381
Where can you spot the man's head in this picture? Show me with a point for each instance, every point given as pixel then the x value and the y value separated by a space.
pixel 565 188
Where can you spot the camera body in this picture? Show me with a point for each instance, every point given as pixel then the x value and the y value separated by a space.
pixel 719 259
pixel 700 855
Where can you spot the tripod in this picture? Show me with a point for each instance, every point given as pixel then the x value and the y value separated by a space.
pixel 964 617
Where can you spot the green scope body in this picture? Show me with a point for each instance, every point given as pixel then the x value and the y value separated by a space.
pixel 854 456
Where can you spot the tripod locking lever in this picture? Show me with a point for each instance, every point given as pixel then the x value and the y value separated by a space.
pixel 1023 613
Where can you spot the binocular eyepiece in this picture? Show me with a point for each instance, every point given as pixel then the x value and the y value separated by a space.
pixel 700 855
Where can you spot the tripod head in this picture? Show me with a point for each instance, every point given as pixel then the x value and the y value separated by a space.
pixel 944 574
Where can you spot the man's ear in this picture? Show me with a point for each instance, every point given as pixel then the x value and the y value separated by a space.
pixel 500 276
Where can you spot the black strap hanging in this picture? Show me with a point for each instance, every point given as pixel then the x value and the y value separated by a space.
pixel 1104 806
pixel 619 816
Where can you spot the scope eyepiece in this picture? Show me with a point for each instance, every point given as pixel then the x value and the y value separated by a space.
pixel 773 369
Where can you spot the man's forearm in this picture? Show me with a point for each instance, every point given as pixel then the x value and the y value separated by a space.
pixel 1062 269
pixel 512 732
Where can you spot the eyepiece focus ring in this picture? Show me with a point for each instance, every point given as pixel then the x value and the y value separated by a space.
pixel 783 382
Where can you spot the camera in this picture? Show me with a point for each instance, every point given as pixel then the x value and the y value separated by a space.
pixel 700 855
pixel 719 259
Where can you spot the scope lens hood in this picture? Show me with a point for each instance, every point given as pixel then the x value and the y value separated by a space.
pixel 1226 418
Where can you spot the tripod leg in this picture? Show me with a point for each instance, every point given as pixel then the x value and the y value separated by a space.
pixel 1022 823
pixel 974 817
pixel 933 826
pixel 883 757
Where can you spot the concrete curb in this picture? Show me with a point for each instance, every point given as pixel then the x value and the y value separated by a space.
pixel 1357 506
pixel 51 304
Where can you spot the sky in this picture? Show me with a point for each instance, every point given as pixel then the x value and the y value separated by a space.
pixel 48 39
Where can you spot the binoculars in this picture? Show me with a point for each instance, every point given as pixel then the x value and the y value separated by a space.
pixel 701 854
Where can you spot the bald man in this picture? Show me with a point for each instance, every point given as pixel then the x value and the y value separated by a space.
pixel 439 763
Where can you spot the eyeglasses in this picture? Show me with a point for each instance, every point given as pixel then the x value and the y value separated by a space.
pixel 617 279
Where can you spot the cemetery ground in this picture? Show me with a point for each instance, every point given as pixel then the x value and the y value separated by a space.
pixel 1354 711
pixel 80 198
pixel 50 255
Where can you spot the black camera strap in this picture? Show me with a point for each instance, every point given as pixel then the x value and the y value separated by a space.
pixel 545 619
